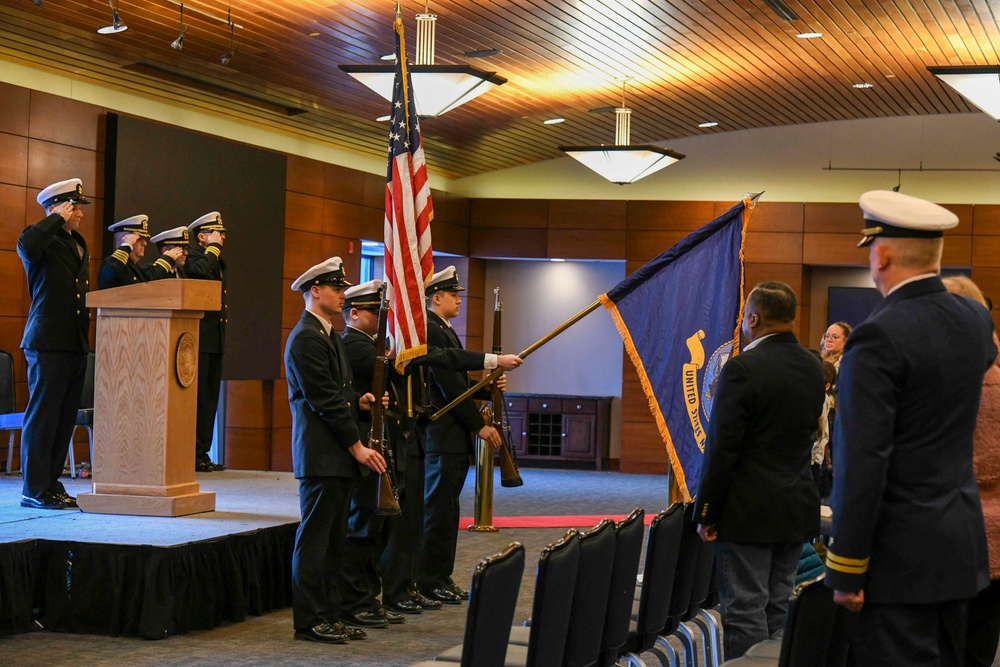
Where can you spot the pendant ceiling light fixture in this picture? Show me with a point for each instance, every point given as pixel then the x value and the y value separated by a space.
pixel 224 60
pixel 979 85
pixel 178 43
pixel 117 25
pixel 623 163
pixel 437 89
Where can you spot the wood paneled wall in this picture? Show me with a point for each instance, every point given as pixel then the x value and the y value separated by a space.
pixel 783 241
pixel 43 139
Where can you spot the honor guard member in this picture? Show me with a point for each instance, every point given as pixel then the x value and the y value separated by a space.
pixel 122 266
pixel 327 453
pixel 174 243
pixel 909 545
pixel 366 529
pixel 55 340
pixel 450 443
pixel 204 262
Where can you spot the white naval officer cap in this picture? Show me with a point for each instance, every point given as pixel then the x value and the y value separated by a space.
pixel 366 296
pixel 137 224
pixel 210 222
pixel 71 191
pixel 444 281
pixel 330 272
pixel 176 236
pixel 901 216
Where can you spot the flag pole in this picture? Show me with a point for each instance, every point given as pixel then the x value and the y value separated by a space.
pixel 531 348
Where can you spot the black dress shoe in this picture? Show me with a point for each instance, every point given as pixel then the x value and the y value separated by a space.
pixel 204 466
pixel 217 467
pixel 68 500
pixel 366 619
pixel 444 595
pixel 323 633
pixel 46 502
pixel 351 633
pixel 405 607
pixel 424 601
pixel 390 617
pixel 458 591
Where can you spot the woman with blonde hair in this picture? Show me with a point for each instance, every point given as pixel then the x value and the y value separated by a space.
pixel 832 345
pixel 984 611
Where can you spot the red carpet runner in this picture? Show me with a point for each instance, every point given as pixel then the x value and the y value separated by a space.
pixel 566 521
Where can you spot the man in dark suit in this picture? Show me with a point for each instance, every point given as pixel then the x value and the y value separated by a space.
pixel 756 497
pixel 174 243
pixel 204 262
pixel 122 266
pixel 55 341
pixel 327 452
pixel 909 544
pixel 450 443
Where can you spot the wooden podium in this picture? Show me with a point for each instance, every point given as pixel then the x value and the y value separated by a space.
pixel 146 397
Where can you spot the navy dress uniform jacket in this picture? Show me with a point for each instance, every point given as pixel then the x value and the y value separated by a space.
pixel 323 402
pixel 453 432
pixel 58 282
pixel 206 264
pixel 907 523
pixel 756 484
pixel 119 269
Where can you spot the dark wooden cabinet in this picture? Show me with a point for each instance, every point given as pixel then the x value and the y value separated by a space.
pixel 557 430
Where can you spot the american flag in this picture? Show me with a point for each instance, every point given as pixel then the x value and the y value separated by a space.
pixel 408 214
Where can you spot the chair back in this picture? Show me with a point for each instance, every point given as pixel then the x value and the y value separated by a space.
pixel 628 548
pixel 812 635
pixel 6 382
pixel 590 595
pixel 704 575
pixel 691 554
pixel 662 551
pixel 87 397
pixel 554 583
pixel 492 599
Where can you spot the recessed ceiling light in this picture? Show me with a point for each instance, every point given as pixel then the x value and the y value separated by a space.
pixel 556 259
pixel 382 119
pixel 314 34
pixel 863 86
pixel 484 53
pixel 809 35
pixel 554 121
pixel 710 123
pixel 388 56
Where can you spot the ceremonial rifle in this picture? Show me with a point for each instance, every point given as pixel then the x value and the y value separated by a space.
pixel 387 503
pixel 495 410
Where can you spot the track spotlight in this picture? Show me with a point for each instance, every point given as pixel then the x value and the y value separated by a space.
pixel 117 25
pixel 224 60
pixel 36 3
pixel 178 43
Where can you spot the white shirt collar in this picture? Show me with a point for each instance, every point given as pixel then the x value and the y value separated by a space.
pixel 758 341
pixel 922 276
pixel 327 326
pixel 362 332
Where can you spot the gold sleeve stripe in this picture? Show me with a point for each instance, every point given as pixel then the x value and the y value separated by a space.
pixel 846 565
pixel 212 249
pixel 164 263
pixel 121 256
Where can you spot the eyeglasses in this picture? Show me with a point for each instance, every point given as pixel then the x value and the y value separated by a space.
pixel 831 336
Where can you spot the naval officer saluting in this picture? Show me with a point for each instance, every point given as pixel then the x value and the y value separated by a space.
pixel 174 243
pixel 55 340
pixel 122 266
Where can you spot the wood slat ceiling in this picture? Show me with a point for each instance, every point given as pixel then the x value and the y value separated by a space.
pixel 736 62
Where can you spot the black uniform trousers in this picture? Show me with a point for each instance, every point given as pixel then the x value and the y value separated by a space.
pixel 317 557
pixel 209 383
pixel 984 627
pixel 360 580
pixel 445 478
pixel 933 634
pixel 399 560
pixel 55 383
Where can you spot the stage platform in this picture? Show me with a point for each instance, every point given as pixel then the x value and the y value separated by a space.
pixel 148 577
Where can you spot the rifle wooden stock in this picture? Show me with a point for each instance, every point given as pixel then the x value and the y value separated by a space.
pixel 509 474
pixel 387 503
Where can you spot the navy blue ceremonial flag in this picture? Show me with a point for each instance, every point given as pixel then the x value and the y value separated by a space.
pixel 679 316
